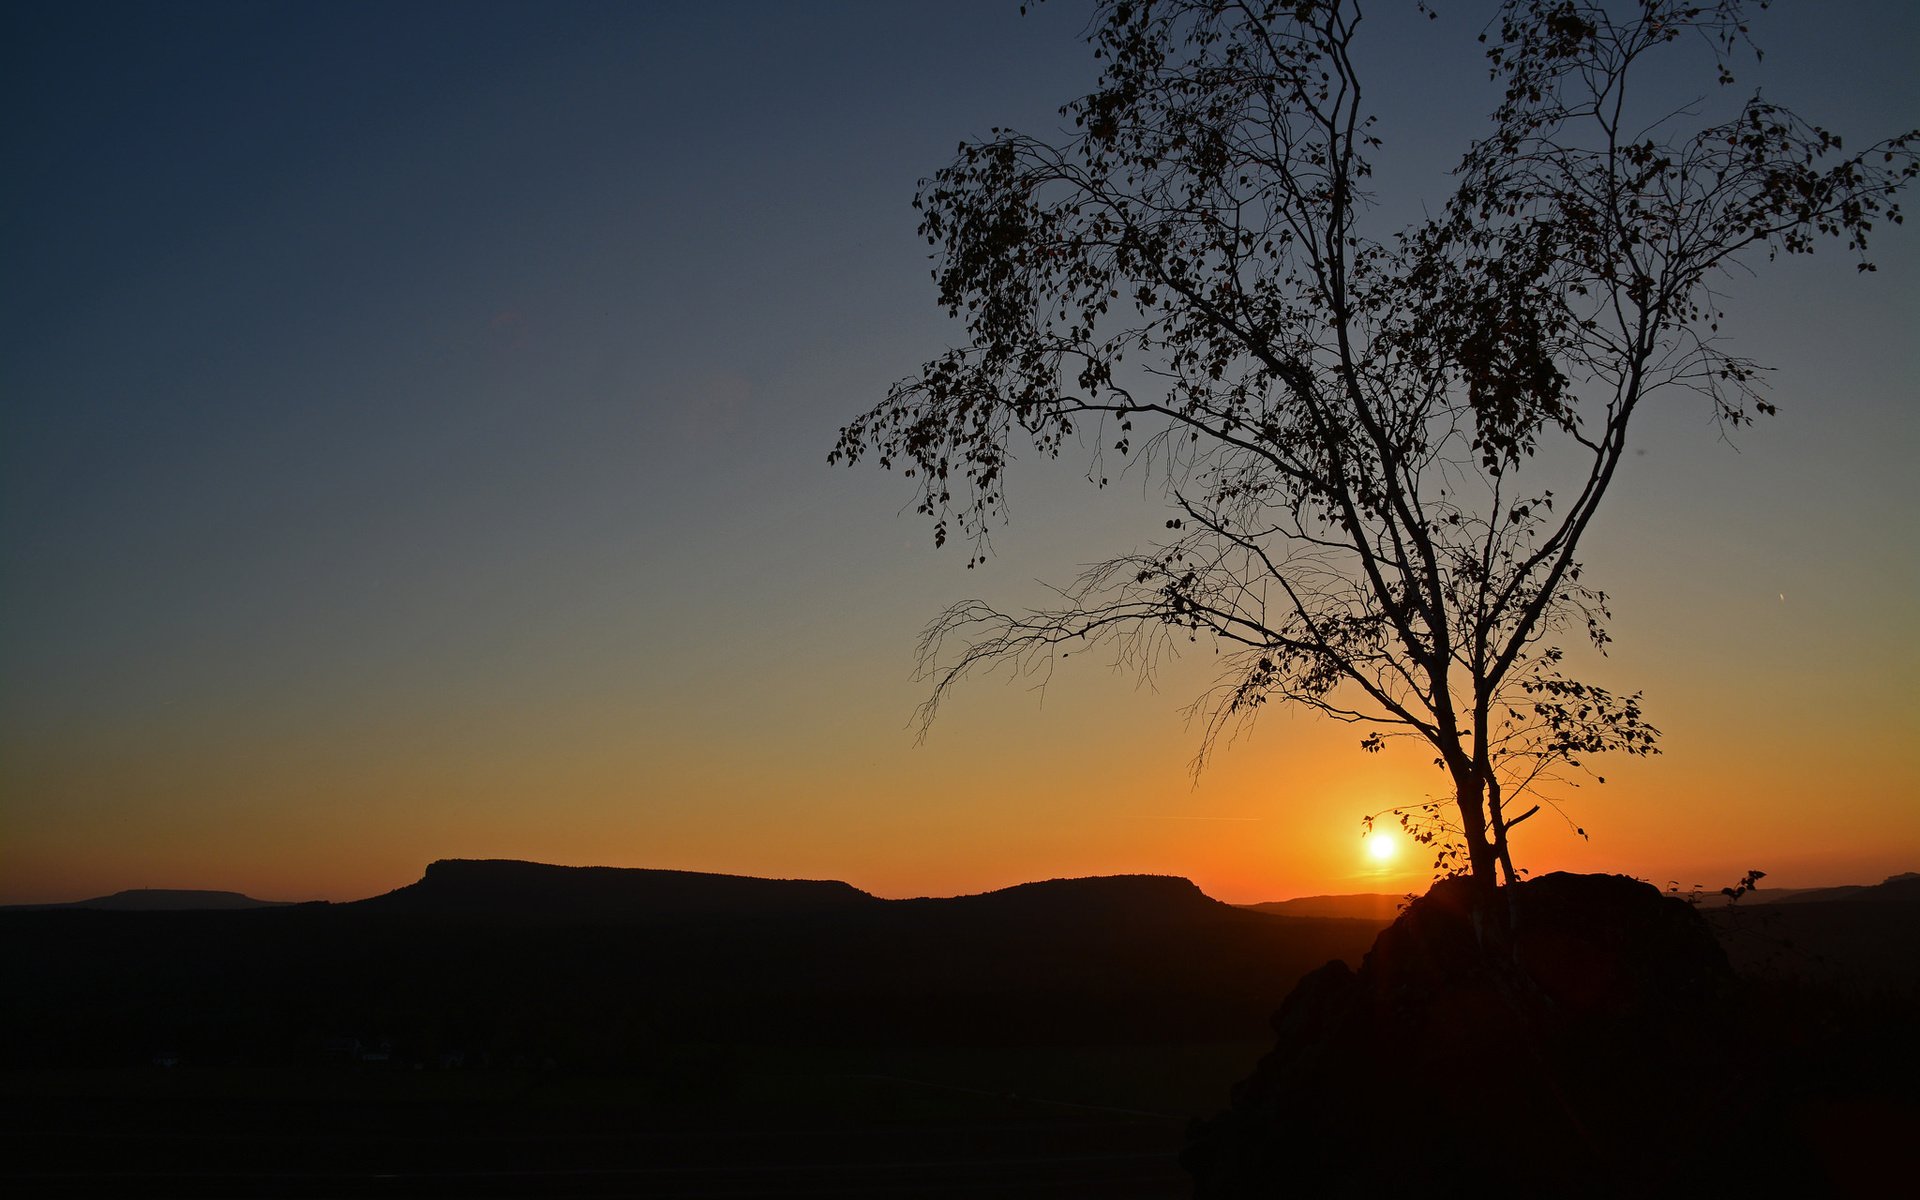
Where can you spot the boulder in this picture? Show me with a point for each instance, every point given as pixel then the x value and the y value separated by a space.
pixel 1582 1038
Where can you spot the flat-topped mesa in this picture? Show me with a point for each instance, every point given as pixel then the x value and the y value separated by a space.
pixel 510 888
pixel 506 888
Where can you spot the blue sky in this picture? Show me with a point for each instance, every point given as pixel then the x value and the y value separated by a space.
pixel 412 442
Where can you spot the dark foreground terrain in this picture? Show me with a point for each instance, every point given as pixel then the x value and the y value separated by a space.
pixel 508 1029
pixel 805 1123
pixel 502 1029
pixel 1593 1040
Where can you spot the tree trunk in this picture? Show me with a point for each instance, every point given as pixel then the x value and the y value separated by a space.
pixel 1470 796
pixel 1470 792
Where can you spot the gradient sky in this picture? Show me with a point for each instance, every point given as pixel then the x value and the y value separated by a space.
pixel 413 422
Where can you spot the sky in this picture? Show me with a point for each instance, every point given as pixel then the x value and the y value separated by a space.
pixel 413 433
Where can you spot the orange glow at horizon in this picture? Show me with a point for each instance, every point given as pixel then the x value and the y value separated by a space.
pixel 1006 790
pixel 512 535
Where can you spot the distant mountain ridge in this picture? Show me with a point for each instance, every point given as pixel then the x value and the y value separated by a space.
pixel 1363 906
pixel 502 887
pixel 513 889
pixel 1901 888
pixel 1153 898
pixel 507 888
pixel 598 965
pixel 161 900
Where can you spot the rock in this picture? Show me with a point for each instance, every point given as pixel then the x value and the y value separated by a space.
pixel 1585 1045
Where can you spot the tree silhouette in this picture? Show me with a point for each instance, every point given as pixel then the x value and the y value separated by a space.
pixel 1380 453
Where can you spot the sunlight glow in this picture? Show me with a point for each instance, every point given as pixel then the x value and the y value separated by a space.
pixel 1380 846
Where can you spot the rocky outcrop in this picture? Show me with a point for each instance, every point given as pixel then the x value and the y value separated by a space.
pixel 1584 1041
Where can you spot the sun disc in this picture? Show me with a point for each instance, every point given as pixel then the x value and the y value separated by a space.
pixel 1380 847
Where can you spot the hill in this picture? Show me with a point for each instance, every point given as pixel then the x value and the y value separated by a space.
pixel 522 1029
pixel 510 889
pixel 598 967
pixel 159 900
pixel 1131 902
pixel 1895 889
pixel 1866 937
pixel 1363 906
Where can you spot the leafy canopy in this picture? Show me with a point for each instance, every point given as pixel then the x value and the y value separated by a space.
pixel 1380 453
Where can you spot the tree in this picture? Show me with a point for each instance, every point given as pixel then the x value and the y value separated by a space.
pixel 1380 454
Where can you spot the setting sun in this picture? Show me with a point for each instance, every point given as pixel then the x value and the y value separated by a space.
pixel 1380 846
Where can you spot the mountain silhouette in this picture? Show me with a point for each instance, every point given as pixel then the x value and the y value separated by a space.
pixel 1903 888
pixel 1366 906
pixel 600 966
pixel 593 966
pixel 1867 935
pixel 160 900
pixel 1127 901
pixel 515 890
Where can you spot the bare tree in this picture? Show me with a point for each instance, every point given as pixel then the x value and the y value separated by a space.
pixel 1365 442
